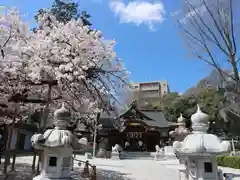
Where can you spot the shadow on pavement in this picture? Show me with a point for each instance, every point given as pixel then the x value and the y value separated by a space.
pixel 24 172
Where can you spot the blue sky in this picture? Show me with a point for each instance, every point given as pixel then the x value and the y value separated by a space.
pixel 148 39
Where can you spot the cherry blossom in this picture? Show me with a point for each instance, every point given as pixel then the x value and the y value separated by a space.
pixel 88 73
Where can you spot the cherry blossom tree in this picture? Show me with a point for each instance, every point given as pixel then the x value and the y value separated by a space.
pixel 84 64
pixel 80 65
pixel 13 38
pixel 14 90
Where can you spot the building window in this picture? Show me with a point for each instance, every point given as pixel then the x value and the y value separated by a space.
pixel 208 167
pixel 53 161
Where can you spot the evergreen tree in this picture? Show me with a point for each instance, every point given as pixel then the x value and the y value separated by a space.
pixel 65 11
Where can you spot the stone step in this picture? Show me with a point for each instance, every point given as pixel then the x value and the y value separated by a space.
pixel 136 155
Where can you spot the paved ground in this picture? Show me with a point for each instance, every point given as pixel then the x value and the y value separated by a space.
pixel 138 169
pixel 116 169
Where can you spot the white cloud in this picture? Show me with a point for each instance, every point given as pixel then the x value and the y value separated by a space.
pixel 139 12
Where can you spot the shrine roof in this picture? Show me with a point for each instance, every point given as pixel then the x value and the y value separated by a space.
pixel 153 118
pixel 156 119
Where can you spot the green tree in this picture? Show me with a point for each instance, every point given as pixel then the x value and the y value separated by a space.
pixel 65 11
pixel 156 106
pixel 210 100
pixel 169 98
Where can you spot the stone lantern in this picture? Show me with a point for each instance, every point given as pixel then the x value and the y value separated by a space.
pixel 57 148
pixel 181 131
pixel 199 150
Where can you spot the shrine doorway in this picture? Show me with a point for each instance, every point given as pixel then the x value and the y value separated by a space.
pixel 151 139
pixel 135 141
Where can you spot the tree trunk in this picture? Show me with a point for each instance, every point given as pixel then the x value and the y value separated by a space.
pixel 46 109
pixel 9 129
pixel 34 161
pixel 15 149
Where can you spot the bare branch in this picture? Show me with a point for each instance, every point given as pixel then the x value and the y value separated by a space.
pixel 212 34
pixel 215 40
pixel 232 28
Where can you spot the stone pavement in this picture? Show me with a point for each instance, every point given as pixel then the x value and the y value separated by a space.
pixel 129 169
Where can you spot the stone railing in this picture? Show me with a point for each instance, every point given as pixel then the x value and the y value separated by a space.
pixel 89 170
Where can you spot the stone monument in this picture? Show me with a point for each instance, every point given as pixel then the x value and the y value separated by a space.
pixel 57 148
pixel 199 150
pixel 115 152
pixel 169 152
pixel 103 147
pixel 158 155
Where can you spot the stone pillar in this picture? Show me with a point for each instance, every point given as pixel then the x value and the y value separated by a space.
pixel 57 164
pixel 115 155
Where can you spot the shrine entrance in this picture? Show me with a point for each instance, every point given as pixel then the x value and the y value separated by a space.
pixel 138 141
pixel 152 138
pixel 135 141
pixel 138 138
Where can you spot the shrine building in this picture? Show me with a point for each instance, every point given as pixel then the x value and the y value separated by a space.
pixel 134 125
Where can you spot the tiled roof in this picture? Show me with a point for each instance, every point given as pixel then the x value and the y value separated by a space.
pixel 156 119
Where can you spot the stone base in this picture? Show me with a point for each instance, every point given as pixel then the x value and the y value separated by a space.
pixel 170 156
pixel 182 174
pixel 101 153
pixel 158 157
pixel 115 155
pixel 40 177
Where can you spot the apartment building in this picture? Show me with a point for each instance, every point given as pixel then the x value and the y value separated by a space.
pixel 149 93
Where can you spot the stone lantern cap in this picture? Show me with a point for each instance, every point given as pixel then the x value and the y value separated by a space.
pixel 62 114
pixel 181 120
pixel 59 136
pixel 200 142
